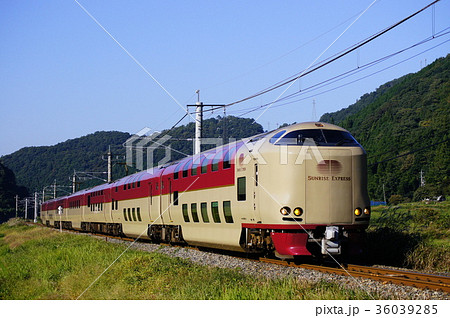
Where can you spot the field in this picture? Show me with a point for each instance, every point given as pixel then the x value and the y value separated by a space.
pixel 414 235
pixel 41 263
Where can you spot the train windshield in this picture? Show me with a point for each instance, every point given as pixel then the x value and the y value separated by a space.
pixel 319 137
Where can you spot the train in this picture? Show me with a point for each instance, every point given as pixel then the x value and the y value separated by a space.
pixel 297 191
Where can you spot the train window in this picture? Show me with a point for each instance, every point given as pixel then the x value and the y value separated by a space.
pixel 117 205
pixel 125 214
pixel 134 214
pixel 195 164
pixel 204 168
pixel 175 175
pixel 185 212
pixel 124 186
pixel 139 184
pixel 112 204
pixel 139 214
pixel 215 161
pixel 215 211
pixel 319 137
pixel 129 186
pixel 194 212
pixel 204 210
pixel 133 185
pixel 226 160
pixel 227 211
pixel 276 136
pixel 186 169
pixel 117 189
pixel 241 189
pixel 175 197
pixel 129 214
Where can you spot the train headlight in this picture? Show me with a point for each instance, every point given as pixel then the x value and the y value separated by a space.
pixel 285 210
pixel 367 211
pixel 298 211
pixel 358 211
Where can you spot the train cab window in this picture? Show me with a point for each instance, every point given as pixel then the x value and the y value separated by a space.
pixel 125 214
pixel 318 137
pixel 185 212
pixel 241 189
pixel 194 212
pixel 204 210
pixel 227 211
pixel 129 214
pixel 112 204
pixel 175 197
pixel 275 137
pixel 138 210
pixel 215 211
pixel 134 214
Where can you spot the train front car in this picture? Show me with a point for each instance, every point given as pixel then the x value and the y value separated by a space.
pixel 308 189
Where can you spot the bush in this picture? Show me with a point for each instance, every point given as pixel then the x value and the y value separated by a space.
pixel 397 199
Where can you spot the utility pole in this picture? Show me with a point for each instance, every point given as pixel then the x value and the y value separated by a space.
pixel 17 204
pixel 54 190
pixel 422 180
pixel 198 124
pixel 109 165
pixel 35 207
pixel 74 183
pixel 26 208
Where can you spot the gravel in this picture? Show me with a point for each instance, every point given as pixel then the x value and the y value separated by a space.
pixel 273 271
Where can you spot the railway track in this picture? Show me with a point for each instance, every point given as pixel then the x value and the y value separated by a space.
pixel 394 276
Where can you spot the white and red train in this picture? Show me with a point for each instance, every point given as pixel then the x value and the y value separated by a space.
pixel 298 190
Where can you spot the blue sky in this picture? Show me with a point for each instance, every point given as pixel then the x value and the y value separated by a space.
pixel 62 76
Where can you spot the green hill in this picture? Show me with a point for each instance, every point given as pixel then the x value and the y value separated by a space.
pixel 8 190
pixel 37 167
pixel 405 128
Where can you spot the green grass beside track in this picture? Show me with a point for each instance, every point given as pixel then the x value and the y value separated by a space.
pixel 414 235
pixel 40 263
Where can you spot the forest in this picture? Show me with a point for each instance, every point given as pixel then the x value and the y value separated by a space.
pixel 404 126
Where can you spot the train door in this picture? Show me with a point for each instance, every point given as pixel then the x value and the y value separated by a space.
pixel 329 188
pixel 108 205
pixel 151 215
pixel 256 193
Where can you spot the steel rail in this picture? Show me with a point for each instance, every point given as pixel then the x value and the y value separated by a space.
pixel 398 277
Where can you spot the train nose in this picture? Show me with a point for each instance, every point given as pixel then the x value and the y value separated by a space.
pixel 329 188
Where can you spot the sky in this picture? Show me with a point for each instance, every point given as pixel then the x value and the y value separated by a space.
pixel 70 68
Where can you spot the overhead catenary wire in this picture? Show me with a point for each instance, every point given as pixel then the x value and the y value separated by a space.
pixel 329 60
pixel 341 77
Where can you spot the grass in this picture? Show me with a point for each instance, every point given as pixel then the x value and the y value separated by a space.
pixel 415 235
pixel 40 263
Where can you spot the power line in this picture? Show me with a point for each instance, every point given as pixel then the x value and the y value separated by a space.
pixel 348 74
pixel 332 58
